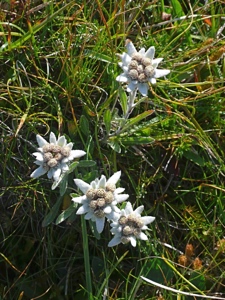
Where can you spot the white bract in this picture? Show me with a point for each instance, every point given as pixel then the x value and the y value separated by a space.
pixel 139 68
pixel 128 227
pixel 53 157
pixel 100 199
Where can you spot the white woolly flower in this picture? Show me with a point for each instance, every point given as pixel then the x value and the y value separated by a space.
pixel 139 68
pixel 100 199
pixel 53 157
pixel 128 227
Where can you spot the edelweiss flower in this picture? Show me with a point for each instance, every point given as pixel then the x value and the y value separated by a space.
pixel 53 157
pixel 128 227
pixel 139 68
pixel 100 199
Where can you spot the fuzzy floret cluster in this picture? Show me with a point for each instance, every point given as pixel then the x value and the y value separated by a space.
pixel 128 227
pixel 139 68
pixel 99 203
pixel 100 199
pixel 53 157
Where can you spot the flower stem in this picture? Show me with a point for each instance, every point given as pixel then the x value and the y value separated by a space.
pixel 86 259
pixel 98 146
pixel 130 107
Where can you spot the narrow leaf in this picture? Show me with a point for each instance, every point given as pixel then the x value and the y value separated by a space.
pixel 131 141
pixel 84 125
pixel 66 213
pixel 137 119
pixel 107 120
pixel 63 185
pixel 99 56
pixel 123 100
pixel 195 157
pixel 177 8
pixel 86 163
pixel 53 213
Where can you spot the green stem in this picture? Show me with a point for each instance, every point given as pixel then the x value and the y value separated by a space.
pixel 213 27
pixel 86 259
pixel 99 148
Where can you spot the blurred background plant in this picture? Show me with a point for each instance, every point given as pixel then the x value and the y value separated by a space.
pixel 58 68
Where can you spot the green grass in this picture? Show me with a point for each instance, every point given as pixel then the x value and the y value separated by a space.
pixel 58 68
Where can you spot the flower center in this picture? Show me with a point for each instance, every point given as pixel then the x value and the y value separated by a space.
pixel 140 68
pixel 131 226
pixel 54 154
pixel 99 199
